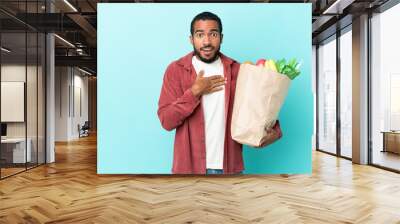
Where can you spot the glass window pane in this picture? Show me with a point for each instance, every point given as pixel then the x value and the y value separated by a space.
pixel 327 96
pixel 346 94
pixel 385 89
pixel 22 88
pixel 31 101
pixel 395 101
pixel 13 86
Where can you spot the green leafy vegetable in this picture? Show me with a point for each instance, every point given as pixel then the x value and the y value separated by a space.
pixel 290 68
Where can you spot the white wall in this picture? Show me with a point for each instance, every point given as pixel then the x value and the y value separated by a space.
pixel 71 94
pixel 61 103
pixel 81 84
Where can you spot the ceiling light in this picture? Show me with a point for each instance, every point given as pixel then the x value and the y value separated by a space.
pixel 5 50
pixel 64 40
pixel 70 5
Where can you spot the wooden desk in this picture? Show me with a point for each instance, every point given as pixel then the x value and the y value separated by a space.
pixel 391 141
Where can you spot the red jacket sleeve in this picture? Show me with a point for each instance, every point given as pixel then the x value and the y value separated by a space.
pixel 173 106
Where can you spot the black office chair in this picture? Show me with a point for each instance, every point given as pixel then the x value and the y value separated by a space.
pixel 84 130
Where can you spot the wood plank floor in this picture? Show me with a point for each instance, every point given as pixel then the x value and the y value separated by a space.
pixel 10 171
pixel 70 191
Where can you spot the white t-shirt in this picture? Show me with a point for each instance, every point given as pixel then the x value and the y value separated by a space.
pixel 214 115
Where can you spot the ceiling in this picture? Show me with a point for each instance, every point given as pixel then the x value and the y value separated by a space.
pixel 76 22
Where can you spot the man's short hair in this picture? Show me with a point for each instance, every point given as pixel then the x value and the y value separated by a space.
pixel 206 16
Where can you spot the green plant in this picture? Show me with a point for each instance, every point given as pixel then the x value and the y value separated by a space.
pixel 291 68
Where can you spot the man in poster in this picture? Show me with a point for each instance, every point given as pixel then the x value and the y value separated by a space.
pixel 197 98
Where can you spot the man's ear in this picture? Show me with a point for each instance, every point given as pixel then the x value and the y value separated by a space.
pixel 191 39
pixel 222 37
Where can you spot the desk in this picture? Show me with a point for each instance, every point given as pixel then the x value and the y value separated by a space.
pixel 17 150
pixel 391 141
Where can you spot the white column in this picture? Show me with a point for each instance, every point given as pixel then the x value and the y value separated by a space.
pixel 50 100
pixel 50 91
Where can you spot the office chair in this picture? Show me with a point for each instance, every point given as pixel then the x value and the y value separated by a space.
pixel 84 130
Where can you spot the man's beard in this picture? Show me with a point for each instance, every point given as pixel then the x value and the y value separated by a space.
pixel 205 60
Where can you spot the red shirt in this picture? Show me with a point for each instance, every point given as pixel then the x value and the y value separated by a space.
pixel 179 109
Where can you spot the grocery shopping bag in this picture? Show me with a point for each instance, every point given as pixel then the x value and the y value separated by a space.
pixel 260 94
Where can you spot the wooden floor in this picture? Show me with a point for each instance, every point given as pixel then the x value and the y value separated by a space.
pixel 70 191
pixel 9 171
pixel 5 172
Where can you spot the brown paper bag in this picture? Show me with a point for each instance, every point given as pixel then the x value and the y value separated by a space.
pixel 259 96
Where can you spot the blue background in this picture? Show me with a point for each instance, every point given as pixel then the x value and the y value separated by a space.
pixel 136 42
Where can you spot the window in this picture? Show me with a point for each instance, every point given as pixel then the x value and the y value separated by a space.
pixel 327 96
pixel 385 89
pixel 22 68
pixel 394 102
pixel 346 93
